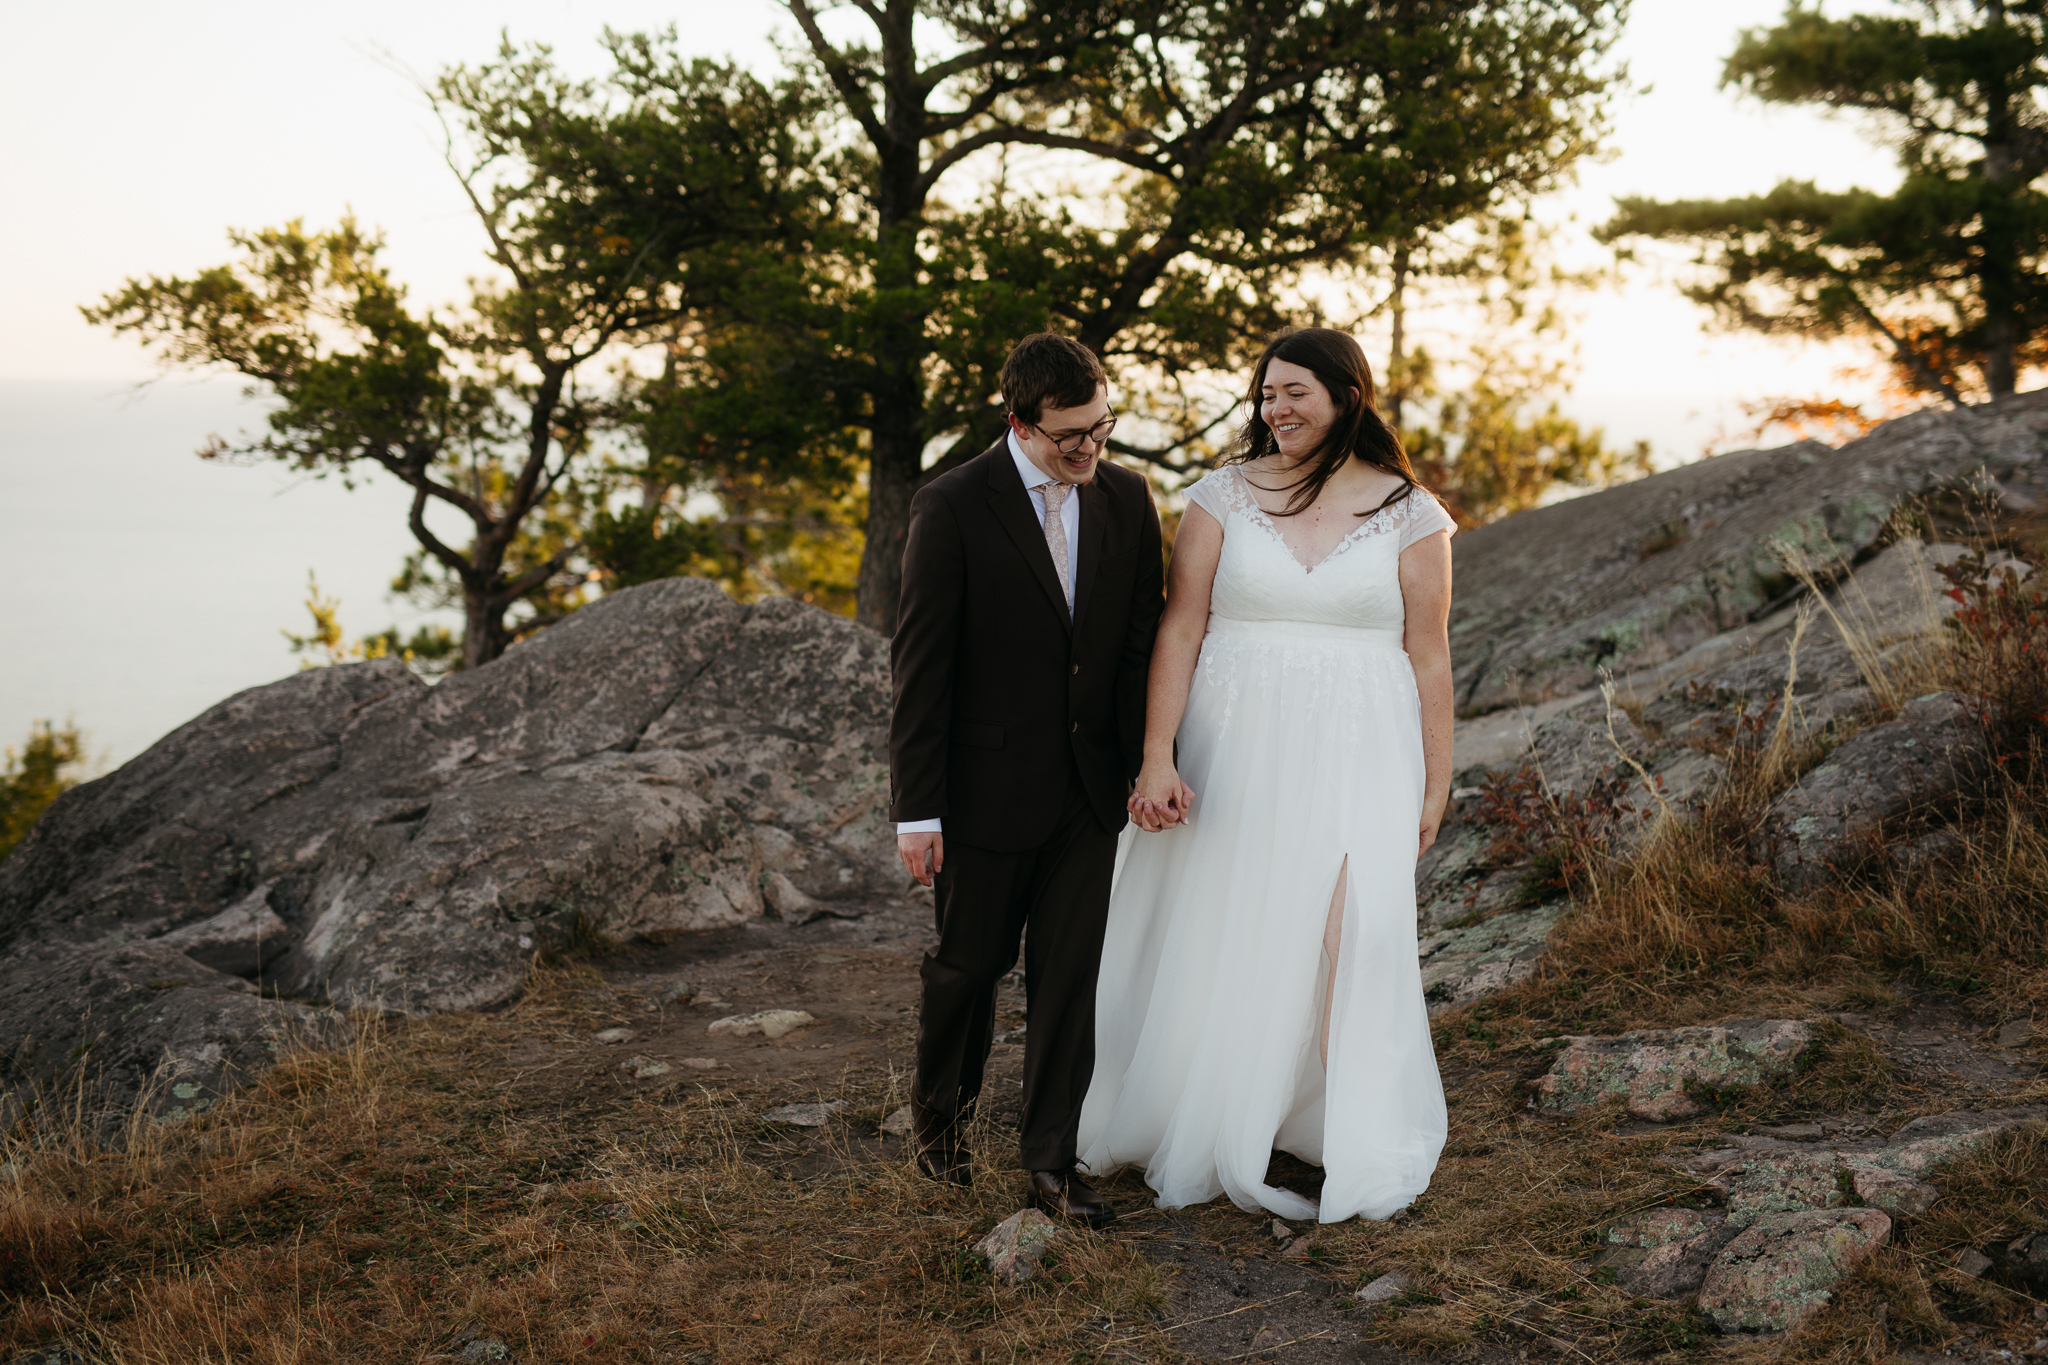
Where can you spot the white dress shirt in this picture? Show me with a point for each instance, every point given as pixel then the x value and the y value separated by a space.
pixel 1070 519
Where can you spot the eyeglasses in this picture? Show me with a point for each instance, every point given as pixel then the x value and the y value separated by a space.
pixel 1095 435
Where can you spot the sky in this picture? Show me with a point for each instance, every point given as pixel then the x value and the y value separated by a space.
pixel 147 585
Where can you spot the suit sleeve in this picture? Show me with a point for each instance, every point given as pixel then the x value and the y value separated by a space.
pixel 1133 671
pixel 921 660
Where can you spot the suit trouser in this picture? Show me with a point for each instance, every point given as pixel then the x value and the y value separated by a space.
pixel 1059 893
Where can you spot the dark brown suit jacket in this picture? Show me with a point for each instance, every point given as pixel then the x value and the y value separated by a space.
pixel 998 696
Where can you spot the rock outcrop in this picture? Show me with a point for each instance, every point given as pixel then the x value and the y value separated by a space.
pixel 1877 776
pixel 1666 1074
pixel 664 759
pixel 1640 575
pixel 1783 1269
pixel 1796 1217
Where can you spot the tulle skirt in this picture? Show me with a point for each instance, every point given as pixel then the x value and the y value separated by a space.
pixel 1303 745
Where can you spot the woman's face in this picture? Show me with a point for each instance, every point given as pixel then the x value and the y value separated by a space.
pixel 1296 406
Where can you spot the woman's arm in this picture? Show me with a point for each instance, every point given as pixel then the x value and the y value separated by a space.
pixel 1161 799
pixel 1426 600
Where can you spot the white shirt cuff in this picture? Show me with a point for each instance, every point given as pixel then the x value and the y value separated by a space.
pixel 919 826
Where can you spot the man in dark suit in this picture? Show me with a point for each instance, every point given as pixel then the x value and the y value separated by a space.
pixel 1031 592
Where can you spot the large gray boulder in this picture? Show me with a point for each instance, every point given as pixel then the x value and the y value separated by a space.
pixel 665 759
pixel 1637 576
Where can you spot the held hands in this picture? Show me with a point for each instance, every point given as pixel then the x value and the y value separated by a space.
pixel 1161 800
pixel 922 854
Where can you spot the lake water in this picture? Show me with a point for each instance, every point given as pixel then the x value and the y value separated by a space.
pixel 145 584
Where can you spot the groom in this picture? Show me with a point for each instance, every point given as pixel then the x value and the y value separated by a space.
pixel 1031 591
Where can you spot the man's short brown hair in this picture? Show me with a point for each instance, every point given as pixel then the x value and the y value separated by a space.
pixel 1049 370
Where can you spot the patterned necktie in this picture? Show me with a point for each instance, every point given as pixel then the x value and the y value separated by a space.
pixel 1056 533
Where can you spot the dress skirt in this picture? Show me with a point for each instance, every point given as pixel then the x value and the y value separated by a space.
pixel 1303 745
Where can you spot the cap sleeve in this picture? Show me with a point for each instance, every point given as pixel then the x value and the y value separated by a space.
pixel 1426 517
pixel 1208 494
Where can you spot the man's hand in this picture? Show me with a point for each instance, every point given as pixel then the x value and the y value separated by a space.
pixel 922 854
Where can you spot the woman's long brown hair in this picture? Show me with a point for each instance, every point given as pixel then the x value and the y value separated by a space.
pixel 1336 359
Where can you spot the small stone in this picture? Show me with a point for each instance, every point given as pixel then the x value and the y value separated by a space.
pixel 1296 1250
pixel 767 1023
pixel 1973 1262
pixel 1784 1268
pixel 898 1123
pixel 1384 1289
pixel 1269 1339
pixel 1017 1245
pixel 645 1068
pixel 1281 1232
pixel 612 1036
pixel 486 1348
pixel 701 1063
pixel 805 1115
pixel 2018 1033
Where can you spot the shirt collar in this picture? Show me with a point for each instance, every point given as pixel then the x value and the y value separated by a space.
pixel 1026 470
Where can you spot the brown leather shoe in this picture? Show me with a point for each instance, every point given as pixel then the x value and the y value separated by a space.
pixel 948 1163
pixel 1064 1194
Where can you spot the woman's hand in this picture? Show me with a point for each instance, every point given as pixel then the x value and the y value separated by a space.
pixel 1432 821
pixel 1161 800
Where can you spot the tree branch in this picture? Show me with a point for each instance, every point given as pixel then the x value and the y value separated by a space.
pixel 1034 137
pixel 857 102
pixel 1914 361
pixel 538 575
pixel 455 562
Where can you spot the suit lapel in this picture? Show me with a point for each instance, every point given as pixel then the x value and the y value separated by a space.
pixel 1094 528
pixel 1011 505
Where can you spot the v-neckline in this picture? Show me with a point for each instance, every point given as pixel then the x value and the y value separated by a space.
pixel 1264 520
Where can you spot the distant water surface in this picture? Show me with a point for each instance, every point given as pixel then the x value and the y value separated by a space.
pixel 144 584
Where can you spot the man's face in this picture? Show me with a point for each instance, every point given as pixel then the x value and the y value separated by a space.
pixel 1058 427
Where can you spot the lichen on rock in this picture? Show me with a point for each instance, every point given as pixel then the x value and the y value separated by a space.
pixel 1784 1267
pixel 1665 1074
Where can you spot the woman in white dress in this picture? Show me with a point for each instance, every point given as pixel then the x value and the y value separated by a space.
pixel 1259 984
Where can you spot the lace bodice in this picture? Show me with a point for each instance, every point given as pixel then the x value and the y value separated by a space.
pixel 1356 585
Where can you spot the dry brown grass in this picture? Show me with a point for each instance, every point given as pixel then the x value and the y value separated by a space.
pixel 394 1199
pixel 1691 924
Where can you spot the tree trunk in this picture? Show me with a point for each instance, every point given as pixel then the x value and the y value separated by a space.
pixel 896 427
pixel 1397 363
pixel 2001 266
pixel 896 437
pixel 892 479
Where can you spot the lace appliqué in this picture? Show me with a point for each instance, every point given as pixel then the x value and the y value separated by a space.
pixel 1237 496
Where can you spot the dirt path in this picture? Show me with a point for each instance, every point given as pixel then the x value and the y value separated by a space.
pixel 1231 1291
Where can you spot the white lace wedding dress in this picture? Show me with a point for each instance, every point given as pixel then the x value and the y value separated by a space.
pixel 1302 741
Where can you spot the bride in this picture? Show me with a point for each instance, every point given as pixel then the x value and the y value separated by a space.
pixel 1259 985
